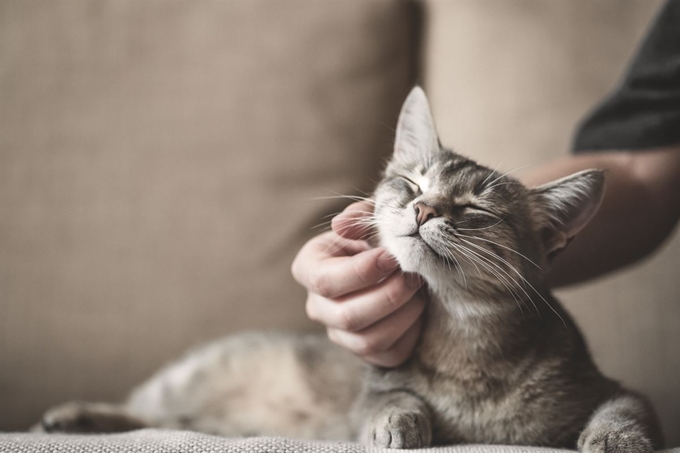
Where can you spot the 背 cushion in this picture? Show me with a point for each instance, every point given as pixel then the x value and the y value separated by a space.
pixel 161 164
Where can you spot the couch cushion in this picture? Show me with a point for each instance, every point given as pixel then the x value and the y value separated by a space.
pixel 158 168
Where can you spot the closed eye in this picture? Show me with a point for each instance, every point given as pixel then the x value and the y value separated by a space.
pixel 414 187
pixel 475 207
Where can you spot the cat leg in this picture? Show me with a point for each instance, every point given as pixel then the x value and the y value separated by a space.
pixel 78 417
pixel 394 419
pixel 623 424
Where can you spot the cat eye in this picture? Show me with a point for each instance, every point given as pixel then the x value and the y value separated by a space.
pixel 478 208
pixel 415 188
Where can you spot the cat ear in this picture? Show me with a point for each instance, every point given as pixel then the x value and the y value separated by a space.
pixel 416 135
pixel 565 206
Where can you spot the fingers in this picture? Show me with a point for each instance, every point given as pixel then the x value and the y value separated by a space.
pixel 356 292
pixel 380 337
pixel 366 307
pixel 353 222
pixel 334 276
pixel 400 351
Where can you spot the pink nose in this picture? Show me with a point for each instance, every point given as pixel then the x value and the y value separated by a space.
pixel 424 212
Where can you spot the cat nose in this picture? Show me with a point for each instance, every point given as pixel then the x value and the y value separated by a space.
pixel 424 212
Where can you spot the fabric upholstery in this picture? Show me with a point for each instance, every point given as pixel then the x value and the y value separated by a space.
pixel 152 441
pixel 160 164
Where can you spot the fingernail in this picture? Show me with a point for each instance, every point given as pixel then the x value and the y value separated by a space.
pixel 386 262
pixel 413 281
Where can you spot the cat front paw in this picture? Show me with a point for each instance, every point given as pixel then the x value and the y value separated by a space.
pixel 400 429
pixel 623 440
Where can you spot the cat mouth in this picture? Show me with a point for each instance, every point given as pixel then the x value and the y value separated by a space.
pixel 416 236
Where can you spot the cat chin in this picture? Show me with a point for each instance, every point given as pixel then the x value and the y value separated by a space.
pixel 413 255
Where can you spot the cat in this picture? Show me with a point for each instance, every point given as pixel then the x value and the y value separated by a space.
pixel 499 360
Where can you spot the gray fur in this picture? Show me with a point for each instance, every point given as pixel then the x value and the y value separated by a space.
pixel 499 360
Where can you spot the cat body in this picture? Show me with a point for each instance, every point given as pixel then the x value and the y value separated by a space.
pixel 499 360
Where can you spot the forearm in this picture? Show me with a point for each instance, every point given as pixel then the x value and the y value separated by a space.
pixel 640 209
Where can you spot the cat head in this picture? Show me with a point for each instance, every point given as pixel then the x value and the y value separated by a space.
pixel 460 224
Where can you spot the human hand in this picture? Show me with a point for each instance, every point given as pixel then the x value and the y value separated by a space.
pixel 358 293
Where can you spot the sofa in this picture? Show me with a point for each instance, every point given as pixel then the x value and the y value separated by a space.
pixel 162 162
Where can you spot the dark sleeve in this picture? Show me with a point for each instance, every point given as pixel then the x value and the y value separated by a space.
pixel 644 111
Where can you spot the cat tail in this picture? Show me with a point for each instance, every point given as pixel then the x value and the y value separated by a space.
pixel 625 422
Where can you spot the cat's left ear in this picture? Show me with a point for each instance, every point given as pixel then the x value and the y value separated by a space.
pixel 416 134
pixel 565 206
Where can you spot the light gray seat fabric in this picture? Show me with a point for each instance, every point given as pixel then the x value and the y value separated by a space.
pixel 156 441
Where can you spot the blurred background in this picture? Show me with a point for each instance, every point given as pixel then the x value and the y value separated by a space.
pixel 161 164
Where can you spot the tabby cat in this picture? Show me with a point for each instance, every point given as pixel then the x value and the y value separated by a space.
pixel 499 360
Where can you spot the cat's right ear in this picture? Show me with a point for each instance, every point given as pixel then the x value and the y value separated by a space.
pixel 416 137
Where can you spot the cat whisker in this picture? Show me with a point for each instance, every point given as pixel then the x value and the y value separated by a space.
pixel 507 183
pixel 490 185
pixel 494 172
pixel 347 197
pixel 521 277
pixel 471 256
pixel 368 213
pixel 369 195
pixel 503 270
pixel 450 254
pixel 483 228
pixel 321 225
pixel 506 279
pixel 502 246
pixel 360 222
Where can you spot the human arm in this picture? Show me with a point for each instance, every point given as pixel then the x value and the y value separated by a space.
pixel 634 133
pixel 640 208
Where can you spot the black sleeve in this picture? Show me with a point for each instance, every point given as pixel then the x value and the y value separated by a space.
pixel 644 111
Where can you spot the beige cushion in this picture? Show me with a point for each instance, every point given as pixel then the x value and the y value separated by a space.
pixel 158 168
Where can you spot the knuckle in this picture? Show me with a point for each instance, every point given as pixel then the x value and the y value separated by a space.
pixel 320 284
pixel 295 269
pixel 394 294
pixel 334 338
pixel 360 270
pixel 310 310
pixel 367 346
pixel 347 319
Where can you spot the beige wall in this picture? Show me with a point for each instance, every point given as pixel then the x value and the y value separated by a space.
pixel 508 81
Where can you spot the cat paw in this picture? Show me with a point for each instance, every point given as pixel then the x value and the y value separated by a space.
pixel 69 418
pixel 401 430
pixel 619 441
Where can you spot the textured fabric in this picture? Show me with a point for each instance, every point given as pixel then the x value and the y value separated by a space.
pixel 162 162
pixel 157 441
pixel 644 112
